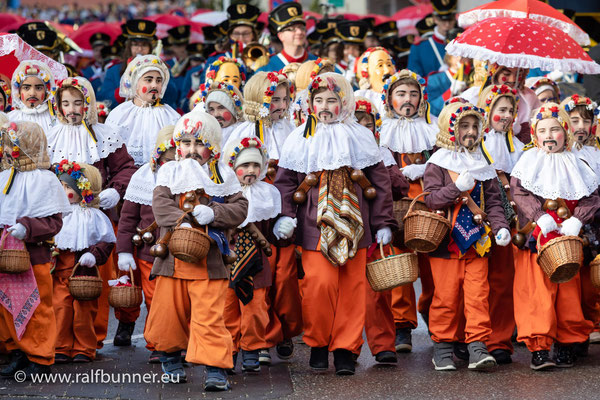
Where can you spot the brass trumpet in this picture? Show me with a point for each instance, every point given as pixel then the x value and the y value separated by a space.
pixel 255 55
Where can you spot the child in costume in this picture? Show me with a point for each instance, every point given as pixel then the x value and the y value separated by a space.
pixel 246 307
pixel 336 221
pixel 86 238
pixel 189 298
pixel 32 84
pixel 409 132
pixel 224 102
pixel 32 203
pixel 558 191
pixel 544 88
pixel 463 185
pixel 583 113
pixel 143 85
pixel 307 71
pixel 137 229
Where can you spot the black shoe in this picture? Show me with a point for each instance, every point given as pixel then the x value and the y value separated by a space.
pixel 155 357
pixel 461 350
pixel 582 349
pixel 82 359
pixel 61 359
pixel 18 361
pixel 285 349
pixel 173 367
pixel 403 340
pixel 541 360
pixel 35 369
pixel 123 335
pixel 564 356
pixel 250 361
pixel 343 361
pixel 319 358
pixel 502 356
pixel 386 357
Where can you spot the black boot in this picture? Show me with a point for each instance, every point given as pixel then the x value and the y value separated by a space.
pixel 35 369
pixel 319 358
pixel 123 335
pixel 18 361
pixel 563 355
pixel 343 361
pixel 541 360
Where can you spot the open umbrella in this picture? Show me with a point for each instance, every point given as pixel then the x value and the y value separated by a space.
pixel 531 9
pixel 164 22
pixel 82 35
pixel 7 19
pixel 522 43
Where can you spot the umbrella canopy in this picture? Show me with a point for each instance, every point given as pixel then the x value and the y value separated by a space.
pixel 82 35
pixel 522 43
pixel 7 19
pixel 532 9
pixel 164 22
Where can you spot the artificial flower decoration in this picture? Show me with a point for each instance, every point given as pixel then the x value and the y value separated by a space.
pixel 76 172
pixel 244 144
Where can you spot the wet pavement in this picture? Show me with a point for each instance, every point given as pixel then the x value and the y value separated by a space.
pixel 413 378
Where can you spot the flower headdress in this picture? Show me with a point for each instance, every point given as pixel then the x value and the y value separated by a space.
pixel 136 69
pixel 266 105
pixel 342 89
pixel 11 132
pixel 32 68
pixel 494 68
pixel 213 68
pixel 539 85
pixel 423 109
pixel 576 100
pixel 246 143
pixel 552 110
pixel 90 114
pixel 226 88
pixel 75 171
pixel 488 98
pixel 364 105
pixel 159 151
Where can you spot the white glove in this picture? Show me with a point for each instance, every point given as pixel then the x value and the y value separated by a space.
pixel 126 261
pixel 18 231
pixel 87 260
pixel 465 181
pixel 109 198
pixel 571 227
pixel 204 214
pixel 547 224
pixel 384 235
pixel 185 225
pixel 503 237
pixel 284 227
pixel 414 171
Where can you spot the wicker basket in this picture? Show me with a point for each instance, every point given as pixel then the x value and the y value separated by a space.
pixel 85 287
pixel 13 261
pixel 125 296
pixel 401 208
pixel 392 271
pixel 189 244
pixel 595 272
pixel 561 258
pixel 424 230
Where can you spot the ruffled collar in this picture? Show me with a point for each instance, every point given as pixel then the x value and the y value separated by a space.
pixel 187 175
pixel 84 227
pixel 496 144
pixel 405 135
pixel 76 143
pixel 555 175
pixel 39 109
pixel 591 155
pixel 226 132
pixel 460 161
pixel 264 202
pixel 141 186
pixel 273 136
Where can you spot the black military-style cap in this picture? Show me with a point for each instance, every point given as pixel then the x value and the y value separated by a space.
pixel 222 29
pixel 210 34
pixel 326 24
pixel 32 26
pixel 352 31
pixel 370 21
pixel 180 34
pixel 399 45
pixel 285 15
pixel 42 39
pixel 330 36
pixel 195 49
pixel 242 14
pixel 139 29
pixel 99 39
pixel 110 52
pixel 314 38
pixel 386 30
pixel 445 9
pixel 425 25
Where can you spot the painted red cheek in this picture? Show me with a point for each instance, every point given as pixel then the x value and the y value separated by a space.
pixel 144 89
pixel 496 118
pixel 70 195
pixel 503 79
pixel 337 110
pixel 239 172
pixel 227 116
pixel 23 96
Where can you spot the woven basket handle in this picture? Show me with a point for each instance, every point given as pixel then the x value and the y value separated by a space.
pixel 77 265
pixel 132 278
pixel 4 235
pixel 392 253
pixel 180 221
pixel 412 203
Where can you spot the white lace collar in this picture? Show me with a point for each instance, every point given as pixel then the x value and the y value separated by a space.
pixel 226 132
pixel 34 194
pixel 405 135
pixel 141 185
pixel 141 127
pixel 341 144
pixel 496 145
pixel 555 175
pixel 459 161
pixel 591 155
pixel 83 228
pixel 75 142
pixel 274 136
pixel 387 157
pixel 39 109
pixel 42 118
pixel 264 202
pixel 187 175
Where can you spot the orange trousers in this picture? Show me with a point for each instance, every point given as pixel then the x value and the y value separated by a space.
pixel 461 288
pixel 39 337
pixel 427 286
pixel 546 312
pixel 501 274
pixel 283 297
pixel 101 321
pixel 590 298
pixel 247 323
pixel 188 314
pixel 333 302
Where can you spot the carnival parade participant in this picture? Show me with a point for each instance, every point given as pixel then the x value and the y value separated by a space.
pixel 548 312
pixel 375 67
pixel 224 102
pixel 325 150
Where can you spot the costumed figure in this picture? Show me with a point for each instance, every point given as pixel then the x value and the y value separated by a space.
pixel 375 67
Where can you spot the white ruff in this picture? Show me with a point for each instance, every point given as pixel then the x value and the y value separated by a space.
pixel 141 127
pixel 187 175
pixel 40 115
pixel 341 144
pixel 591 155
pixel 226 132
pixel 463 160
pixel 264 202
pixel 401 135
pixel 35 194
pixel 387 156
pixel 504 160
pixel 84 227
pixel 373 97
pixel 74 143
pixel 274 135
pixel 555 175
pixel 141 185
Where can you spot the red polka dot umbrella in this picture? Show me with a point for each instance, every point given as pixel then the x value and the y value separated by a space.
pixel 522 43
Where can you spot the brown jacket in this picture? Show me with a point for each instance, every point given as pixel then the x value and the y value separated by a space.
pixel 229 214
pixel 134 215
pixel 38 231
pixel 400 184
pixel 116 170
